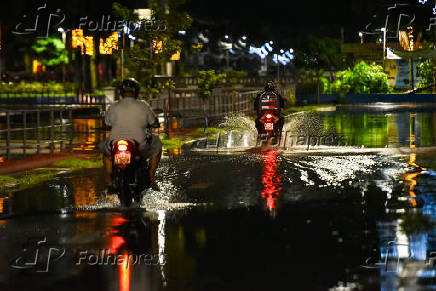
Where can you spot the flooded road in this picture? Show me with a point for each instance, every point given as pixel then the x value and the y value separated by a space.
pixel 230 222
pixel 242 221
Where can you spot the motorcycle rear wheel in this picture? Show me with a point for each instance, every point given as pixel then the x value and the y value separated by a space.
pixel 123 191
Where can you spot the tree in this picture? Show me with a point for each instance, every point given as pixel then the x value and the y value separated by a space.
pixel 316 56
pixel 362 79
pixel 50 51
pixel 427 71
pixel 233 78
pixel 141 60
pixel 206 82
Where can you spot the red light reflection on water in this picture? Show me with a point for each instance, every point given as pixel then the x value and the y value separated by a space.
pixel 270 180
pixel 124 274
pixel 116 242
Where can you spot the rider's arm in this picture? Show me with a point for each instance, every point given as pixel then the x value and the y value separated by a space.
pixel 151 119
pixel 156 123
pixel 108 118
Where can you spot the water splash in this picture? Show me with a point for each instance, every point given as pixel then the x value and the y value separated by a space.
pixel 230 140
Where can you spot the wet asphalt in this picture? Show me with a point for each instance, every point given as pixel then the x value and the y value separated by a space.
pixel 221 222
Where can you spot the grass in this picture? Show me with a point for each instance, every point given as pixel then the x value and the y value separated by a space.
pixel 294 109
pixel 171 143
pixel 5 179
pixel 26 180
pixel 177 142
pixel 78 164
pixel 33 178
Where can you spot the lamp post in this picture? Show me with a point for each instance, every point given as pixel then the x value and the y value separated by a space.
pixel 64 41
pixel 384 42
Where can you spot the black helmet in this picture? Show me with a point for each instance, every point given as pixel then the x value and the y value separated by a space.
pixel 270 86
pixel 130 85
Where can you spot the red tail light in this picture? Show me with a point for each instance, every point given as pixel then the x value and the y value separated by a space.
pixel 122 145
pixel 269 116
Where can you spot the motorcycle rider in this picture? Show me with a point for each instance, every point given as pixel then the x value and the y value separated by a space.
pixel 129 118
pixel 270 92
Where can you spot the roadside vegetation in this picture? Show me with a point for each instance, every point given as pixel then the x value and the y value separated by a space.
pixel 29 179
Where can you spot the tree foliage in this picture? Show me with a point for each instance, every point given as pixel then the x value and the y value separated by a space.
pixel 362 79
pixel 233 76
pixel 140 62
pixel 321 54
pixel 207 81
pixel 427 71
pixel 50 51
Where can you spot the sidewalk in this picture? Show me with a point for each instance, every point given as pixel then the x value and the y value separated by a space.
pixel 40 161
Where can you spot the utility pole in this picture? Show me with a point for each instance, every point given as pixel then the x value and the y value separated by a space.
pixel 412 77
pixel 122 57
pixel 384 45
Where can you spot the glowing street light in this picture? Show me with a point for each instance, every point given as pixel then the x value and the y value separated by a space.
pixel 64 35
pixel 383 29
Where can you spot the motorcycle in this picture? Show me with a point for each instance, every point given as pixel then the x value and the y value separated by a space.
pixel 129 172
pixel 269 128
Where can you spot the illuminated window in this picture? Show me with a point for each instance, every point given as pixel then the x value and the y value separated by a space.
pixel 111 43
pixel 86 43
pixel 175 57
pixel 157 46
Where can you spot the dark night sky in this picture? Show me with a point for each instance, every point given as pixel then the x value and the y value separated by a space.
pixel 282 21
pixel 291 21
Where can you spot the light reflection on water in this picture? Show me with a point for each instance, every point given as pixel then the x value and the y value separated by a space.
pixel 271 179
pixel 380 129
pixel 229 185
pixel 408 243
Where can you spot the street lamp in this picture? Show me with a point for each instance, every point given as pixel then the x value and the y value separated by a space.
pixel 383 29
pixel 361 37
pixel 226 44
pixel 64 34
pixel 64 41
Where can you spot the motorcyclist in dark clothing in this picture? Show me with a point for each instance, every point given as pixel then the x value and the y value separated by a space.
pixel 269 91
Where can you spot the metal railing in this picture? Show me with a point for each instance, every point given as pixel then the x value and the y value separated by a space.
pixel 189 105
pixel 49 98
pixel 35 131
pixel 246 81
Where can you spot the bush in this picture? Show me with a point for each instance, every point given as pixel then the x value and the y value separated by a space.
pixel 362 79
pixel 207 81
pixel 36 87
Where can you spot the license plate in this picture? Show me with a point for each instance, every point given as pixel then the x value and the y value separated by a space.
pixel 269 126
pixel 122 158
